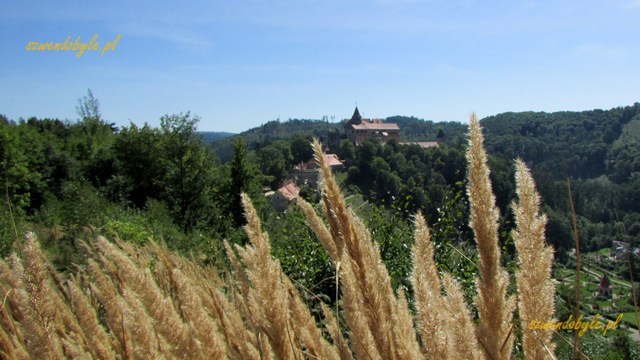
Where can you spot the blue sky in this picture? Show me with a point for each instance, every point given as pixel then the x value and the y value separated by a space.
pixel 238 64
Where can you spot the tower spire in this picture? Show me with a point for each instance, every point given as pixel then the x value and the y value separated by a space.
pixel 356 118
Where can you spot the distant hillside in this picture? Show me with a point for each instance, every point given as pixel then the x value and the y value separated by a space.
pixel 211 136
pixel 272 131
pixel 415 129
pixel 630 134
pixel 576 144
pixel 411 129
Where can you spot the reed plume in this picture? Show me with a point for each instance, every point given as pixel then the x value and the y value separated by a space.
pixel 372 310
pixel 425 280
pixel 495 308
pixel 100 342
pixel 273 300
pixel 35 296
pixel 536 291
pixel 462 345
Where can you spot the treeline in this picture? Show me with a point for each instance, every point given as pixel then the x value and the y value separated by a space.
pixel 408 175
pixel 73 180
pixel 415 129
pixel 68 179
pixel 411 129
pixel 568 144
pixel 272 131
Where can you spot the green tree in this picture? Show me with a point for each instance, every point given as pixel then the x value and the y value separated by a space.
pixel 301 149
pixel 347 151
pixel 273 164
pixel 139 156
pixel 188 165
pixel 15 180
pixel 15 174
pixel 91 142
pixel 243 179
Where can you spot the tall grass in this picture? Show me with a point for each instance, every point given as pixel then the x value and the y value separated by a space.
pixel 130 302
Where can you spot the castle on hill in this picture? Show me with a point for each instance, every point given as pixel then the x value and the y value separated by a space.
pixel 359 129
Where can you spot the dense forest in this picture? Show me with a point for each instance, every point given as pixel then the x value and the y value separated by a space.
pixel 598 150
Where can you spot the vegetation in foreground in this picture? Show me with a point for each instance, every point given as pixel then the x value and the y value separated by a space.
pixel 70 182
pixel 131 302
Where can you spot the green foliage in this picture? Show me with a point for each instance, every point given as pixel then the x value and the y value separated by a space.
pixel 69 179
pixel 187 165
pixel 395 239
pixel 347 152
pixel 10 226
pixel 301 256
pixel 452 236
pixel 211 136
pixel 414 129
pixel 564 143
pixel 15 174
pixel 132 229
pixel 274 160
pixel 406 175
pixel 597 149
pixel 138 153
pixel 243 179
pixel 276 130
pixel 301 148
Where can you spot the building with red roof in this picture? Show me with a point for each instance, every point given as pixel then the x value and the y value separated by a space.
pixel 285 196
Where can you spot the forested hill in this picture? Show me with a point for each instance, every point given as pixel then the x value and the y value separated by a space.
pixel 415 129
pixel 585 144
pixel 411 129
pixel 598 149
pixel 211 136
pixel 272 131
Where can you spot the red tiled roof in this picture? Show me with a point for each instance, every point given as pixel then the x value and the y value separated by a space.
pixel 332 160
pixel 290 191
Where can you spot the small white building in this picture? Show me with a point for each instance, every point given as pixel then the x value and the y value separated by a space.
pixel 284 196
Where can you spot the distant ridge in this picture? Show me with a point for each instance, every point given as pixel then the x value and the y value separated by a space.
pixel 211 136
pixel 411 129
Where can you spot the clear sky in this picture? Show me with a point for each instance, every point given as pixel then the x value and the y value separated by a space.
pixel 240 63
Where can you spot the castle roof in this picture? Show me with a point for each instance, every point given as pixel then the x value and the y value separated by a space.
pixel 331 159
pixel 379 126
